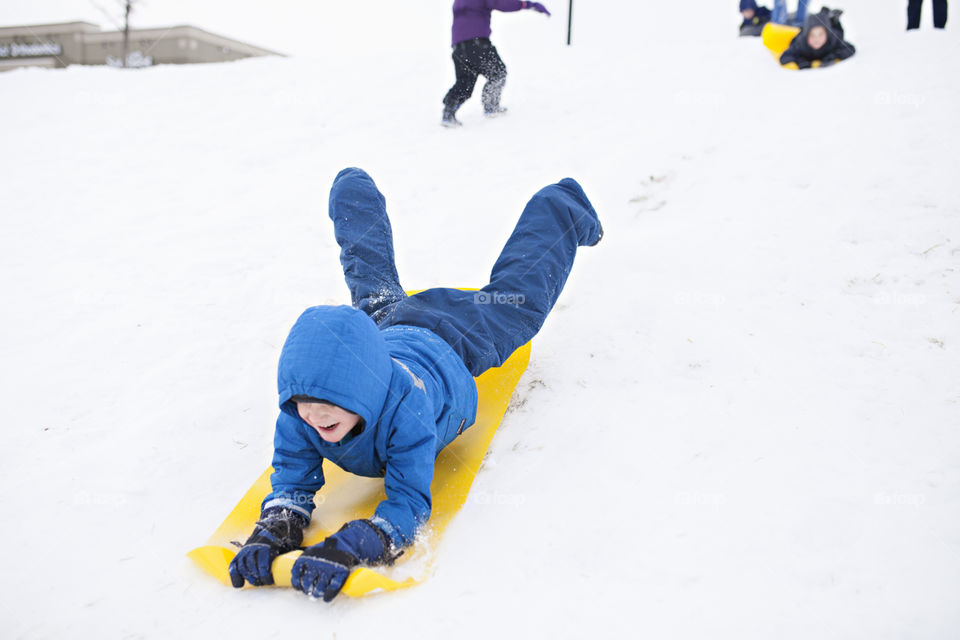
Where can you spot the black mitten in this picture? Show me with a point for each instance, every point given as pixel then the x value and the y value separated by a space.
pixel 279 530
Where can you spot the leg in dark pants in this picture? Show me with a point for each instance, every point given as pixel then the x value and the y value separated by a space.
pixel 473 58
pixel 485 327
pixel 532 269
pixel 913 14
pixel 463 88
pixel 495 71
pixel 940 13
pixel 363 231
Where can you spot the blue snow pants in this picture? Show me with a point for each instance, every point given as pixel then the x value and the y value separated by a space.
pixel 484 327
pixel 780 13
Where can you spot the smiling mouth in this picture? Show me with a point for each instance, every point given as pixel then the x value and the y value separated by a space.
pixel 330 428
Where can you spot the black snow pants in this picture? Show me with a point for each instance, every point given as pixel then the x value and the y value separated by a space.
pixel 939 14
pixel 472 58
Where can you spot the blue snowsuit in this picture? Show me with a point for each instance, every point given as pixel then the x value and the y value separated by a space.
pixel 405 364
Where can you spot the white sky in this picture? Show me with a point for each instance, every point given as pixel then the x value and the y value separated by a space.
pixel 288 26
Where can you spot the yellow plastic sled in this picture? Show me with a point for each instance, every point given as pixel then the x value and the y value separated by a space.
pixel 777 37
pixel 347 497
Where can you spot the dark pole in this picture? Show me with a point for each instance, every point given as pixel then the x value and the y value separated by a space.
pixel 569 22
pixel 126 34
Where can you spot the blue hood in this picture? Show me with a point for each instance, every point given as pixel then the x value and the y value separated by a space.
pixel 335 354
pixel 410 387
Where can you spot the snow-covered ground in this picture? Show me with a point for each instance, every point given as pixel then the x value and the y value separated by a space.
pixel 741 421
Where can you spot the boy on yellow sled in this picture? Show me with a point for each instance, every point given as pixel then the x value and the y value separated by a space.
pixel 379 388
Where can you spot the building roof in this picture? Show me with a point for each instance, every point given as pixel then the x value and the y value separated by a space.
pixel 181 31
pixel 49 29
pixel 93 34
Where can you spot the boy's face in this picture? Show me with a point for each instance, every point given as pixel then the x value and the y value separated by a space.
pixel 748 14
pixel 817 37
pixel 328 420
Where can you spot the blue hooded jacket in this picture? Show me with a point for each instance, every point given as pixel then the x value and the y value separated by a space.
pixel 412 391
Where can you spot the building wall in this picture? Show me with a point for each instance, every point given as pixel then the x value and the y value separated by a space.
pixel 68 36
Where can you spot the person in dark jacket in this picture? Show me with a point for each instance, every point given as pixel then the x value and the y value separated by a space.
pixel 379 388
pixel 754 18
pixel 821 42
pixel 939 14
pixel 474 55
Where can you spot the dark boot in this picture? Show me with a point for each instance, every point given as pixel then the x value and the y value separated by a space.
pixel 450 119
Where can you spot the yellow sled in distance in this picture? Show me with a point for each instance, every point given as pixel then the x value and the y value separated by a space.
pixel 777 38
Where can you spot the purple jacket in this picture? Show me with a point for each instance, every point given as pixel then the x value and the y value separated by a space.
pixel 471 18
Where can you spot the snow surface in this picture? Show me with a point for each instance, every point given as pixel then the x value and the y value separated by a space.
pixel 741 421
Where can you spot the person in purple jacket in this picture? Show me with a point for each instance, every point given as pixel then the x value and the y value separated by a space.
pixel 474 55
